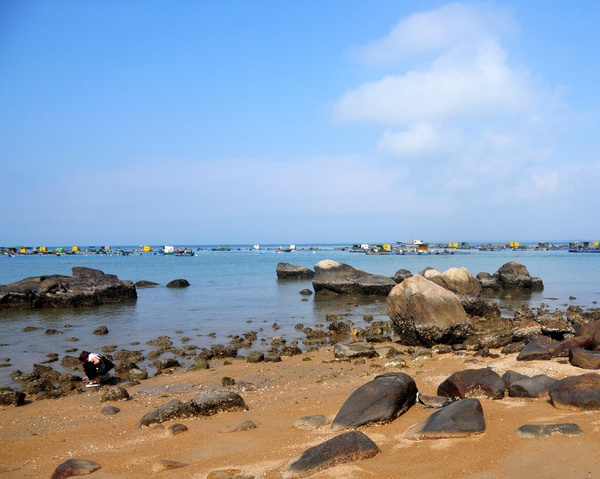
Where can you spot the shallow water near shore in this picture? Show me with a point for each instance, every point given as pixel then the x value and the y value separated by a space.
pixel 238 291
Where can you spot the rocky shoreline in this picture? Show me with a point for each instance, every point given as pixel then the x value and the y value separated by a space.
pixel 538 356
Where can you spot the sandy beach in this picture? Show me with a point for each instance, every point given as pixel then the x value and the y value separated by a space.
pixel 42 434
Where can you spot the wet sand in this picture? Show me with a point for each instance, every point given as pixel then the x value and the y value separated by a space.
pixel 42 434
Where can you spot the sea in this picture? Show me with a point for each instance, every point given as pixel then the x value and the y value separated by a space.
pixel 237 291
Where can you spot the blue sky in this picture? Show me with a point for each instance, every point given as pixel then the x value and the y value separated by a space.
pixel 234 122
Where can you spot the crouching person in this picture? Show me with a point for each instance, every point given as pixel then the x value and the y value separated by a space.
pixel 96 368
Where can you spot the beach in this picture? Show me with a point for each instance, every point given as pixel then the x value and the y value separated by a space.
pixel 42 434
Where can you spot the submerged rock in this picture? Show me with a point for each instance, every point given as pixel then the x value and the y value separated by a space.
pixel 331 276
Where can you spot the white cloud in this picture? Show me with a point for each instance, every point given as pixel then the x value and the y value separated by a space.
pixel 418 139
pixel 471 81
pixel 438 30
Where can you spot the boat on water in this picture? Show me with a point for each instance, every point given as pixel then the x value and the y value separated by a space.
pixel 221 248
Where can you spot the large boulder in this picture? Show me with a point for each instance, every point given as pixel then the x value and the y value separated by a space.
pixel 87 287
pixel 533 387
pixel 378 402
pixel 348 447
pixel 457 280
pixel 458 419
pixel 512 276
pixel 577 393
pixel 331 276
pixel 473 383
pixel 292 271
pixel 424 313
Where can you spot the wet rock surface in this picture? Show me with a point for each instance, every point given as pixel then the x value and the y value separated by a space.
pixel 86 287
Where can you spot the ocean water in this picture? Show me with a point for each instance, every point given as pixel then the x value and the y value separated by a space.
pixel 238 291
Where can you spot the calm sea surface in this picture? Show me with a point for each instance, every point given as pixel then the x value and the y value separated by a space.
pixel 238 291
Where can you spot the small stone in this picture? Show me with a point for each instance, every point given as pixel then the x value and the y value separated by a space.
pixel 175 429
pixel 240 426
pixel 311 423
pixel 110 410
pixel 165 465
pixel 534 431
pixel 101 330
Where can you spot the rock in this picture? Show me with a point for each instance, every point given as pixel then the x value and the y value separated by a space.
pixel 459 419
pixel 534 431
pixel 344 279
pixel 477 306
pixel 401 275
pixel 209 403
pixel 424 313
pixel 165 465
pixel 228 474
pixel 175 429
pixel 339 327
pixel 136 374
pixel 239 426
pixel 473 383
pixel 115 393
pixel 12 398
pixel 348 447
pixel 513 276
pixel 510 377
pixel 534 387
pixel 101 330
pixel 110 410
pixel 292 271
pixel 75 467
pixel 145 284
pixel 378 402
pixel 255 357
pixel 311 423
pixel 577 393
pixel 290 350
pixel 535 349
pixel 306 292
pixel 178 283
pixel 460 281
pixel 353 351
pixel 173 409
pixel 87 287
pixel 434 401
pixel 584 359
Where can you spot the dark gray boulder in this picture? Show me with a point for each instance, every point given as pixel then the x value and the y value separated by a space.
pixel 214 402
pixel 458 419
pixel 86 287
pixel 178 283
pixel 533 387
pixel 378 402
pixel 473 383
pixel 510 377
pixel 351 446
pixel 293 271
pixel 174 409
pixel 536 349
pixel 424 313
pixel 401 275
pixel 340 278
pixel 577 393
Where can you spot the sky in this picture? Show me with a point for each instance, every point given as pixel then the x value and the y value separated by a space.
pixel 282 122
